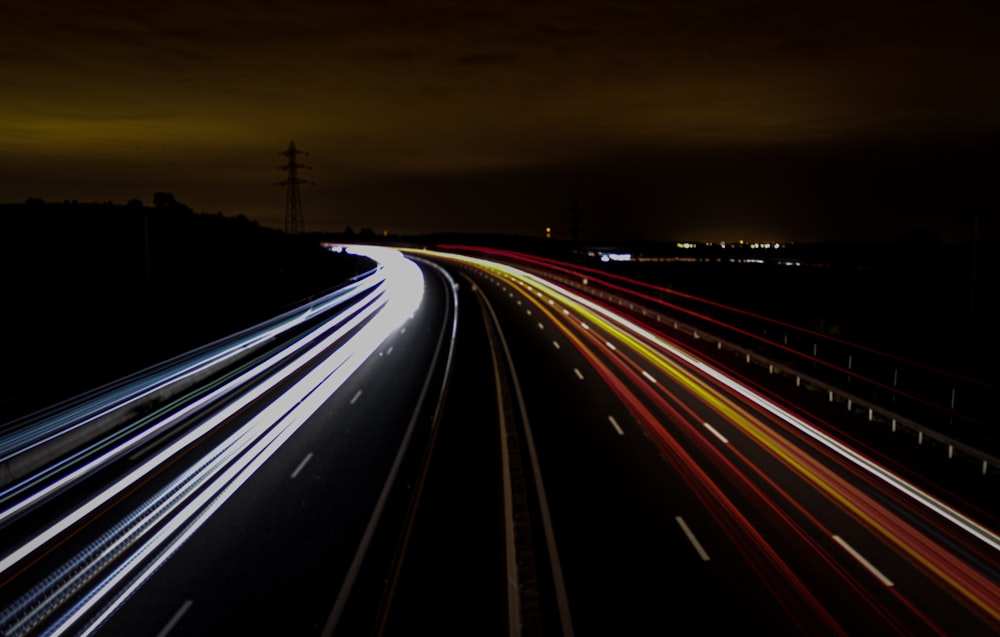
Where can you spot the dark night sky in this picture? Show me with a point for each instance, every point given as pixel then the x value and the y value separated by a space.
pixel 689 120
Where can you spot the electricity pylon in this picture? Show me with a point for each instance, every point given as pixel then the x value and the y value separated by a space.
pixel 294 222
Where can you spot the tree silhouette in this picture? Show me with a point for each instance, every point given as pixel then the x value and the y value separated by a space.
pixel 164 200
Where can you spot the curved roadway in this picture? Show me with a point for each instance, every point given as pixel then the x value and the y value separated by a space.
pixel 502 457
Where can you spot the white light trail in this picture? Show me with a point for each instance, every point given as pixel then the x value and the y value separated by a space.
pixel 969 525
pixel 205 486
pixel 935 505
pixel 193 407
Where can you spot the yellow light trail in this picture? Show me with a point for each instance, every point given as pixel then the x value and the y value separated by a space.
pixel 694 377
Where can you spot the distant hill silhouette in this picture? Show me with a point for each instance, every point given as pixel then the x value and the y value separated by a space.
pixel 93 291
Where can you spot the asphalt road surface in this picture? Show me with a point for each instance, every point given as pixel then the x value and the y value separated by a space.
pixel 503 457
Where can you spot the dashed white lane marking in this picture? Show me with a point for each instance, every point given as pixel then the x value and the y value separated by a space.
pixel 356 396
pixel 529 312
pixel 302 465
pixel 861 560
pixel 578 373
pixel 175 619
pixel 389 351
pixel 555 344
pixel 691 538
pixel 648 376
pixel 540 326
pixel 614 423
pixel 717 434
pixel 610 345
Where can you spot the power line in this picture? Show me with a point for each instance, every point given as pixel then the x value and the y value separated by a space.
pixel 294 221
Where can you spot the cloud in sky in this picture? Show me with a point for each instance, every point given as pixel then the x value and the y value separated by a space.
pixel 116 96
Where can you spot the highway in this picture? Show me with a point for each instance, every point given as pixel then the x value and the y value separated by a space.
pixel 677 497
pixel 256 506
pixel 468 448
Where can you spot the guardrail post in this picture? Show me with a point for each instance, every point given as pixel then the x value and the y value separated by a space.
pixel 907 425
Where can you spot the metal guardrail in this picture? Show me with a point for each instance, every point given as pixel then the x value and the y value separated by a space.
pixel 854 403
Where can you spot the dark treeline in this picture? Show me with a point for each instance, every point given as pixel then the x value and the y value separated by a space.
pixel 94 291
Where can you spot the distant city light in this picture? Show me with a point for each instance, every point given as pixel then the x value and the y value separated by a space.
pixel 616 256
pixel 753 245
